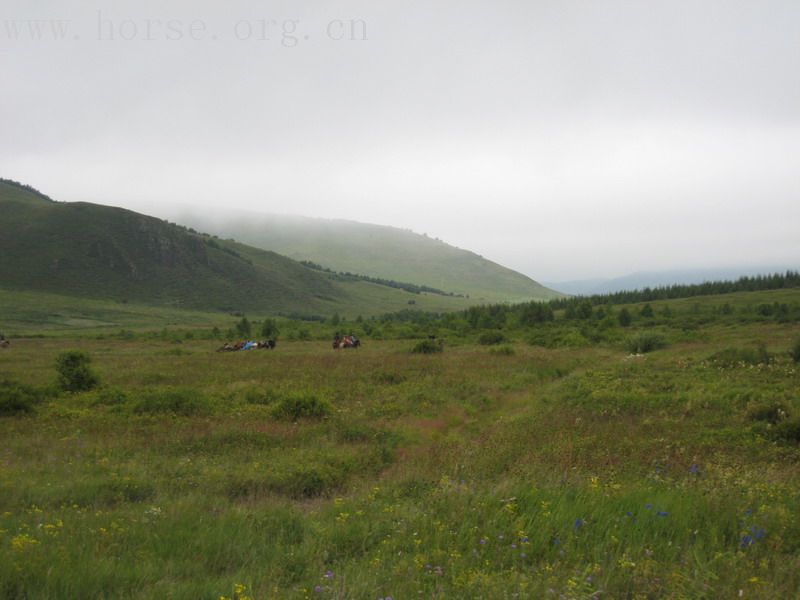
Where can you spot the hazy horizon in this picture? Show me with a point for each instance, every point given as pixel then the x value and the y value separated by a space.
pixel 566 140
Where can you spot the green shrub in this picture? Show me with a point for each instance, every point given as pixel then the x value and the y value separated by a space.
pixel 794 352
pixel 74 374
pixel 298 406
pixel 111 397
pixel 258 396
pixel 643 343
pixel 741 357
pixel 788 430
pixel 184 402
pixel 17 398
pixel 356 433
pixel 308 482
pixel 504 351
pixel 428 347
pixel 770 411
pixel 298 482
pixel 491 338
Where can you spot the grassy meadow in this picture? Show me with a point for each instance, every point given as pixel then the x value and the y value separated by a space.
pixel 554 463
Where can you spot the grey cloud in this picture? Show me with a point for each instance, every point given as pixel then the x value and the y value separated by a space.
pixel 566 139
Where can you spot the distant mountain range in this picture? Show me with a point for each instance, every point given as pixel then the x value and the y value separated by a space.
pixel 375 251
pixel 641 280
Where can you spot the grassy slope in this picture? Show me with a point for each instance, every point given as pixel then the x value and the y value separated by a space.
pixel 570 472
pixel 379 251
pixel 25 313
pixel 94 251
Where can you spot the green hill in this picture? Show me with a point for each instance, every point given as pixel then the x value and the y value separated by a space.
pixel 94 251
pixel 377 251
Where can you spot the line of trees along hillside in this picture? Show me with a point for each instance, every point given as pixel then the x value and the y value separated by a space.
pixel 408 287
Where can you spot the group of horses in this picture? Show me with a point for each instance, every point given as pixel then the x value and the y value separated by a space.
pixel 346 341
pixel 247 345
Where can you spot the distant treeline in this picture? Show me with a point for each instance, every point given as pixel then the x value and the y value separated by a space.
pixel 409 287
pixel 777 281
pixel 597 307
pixel 26 187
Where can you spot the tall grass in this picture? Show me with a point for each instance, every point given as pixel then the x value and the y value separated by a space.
pixel 304 473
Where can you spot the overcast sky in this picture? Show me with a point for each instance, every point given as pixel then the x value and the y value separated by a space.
pixel 564 139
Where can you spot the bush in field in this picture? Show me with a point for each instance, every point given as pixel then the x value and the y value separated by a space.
pixel 428 347
pixel 307 481
pixel 17 398
pixel 643 343
pixel 260 396
pixel 491 338
pixel 269 330
pixel 788 430
pixel 184 402
pixel 739 357
pixel 504 350
pixel 111 397
pixel 300 406
pixel 771 412
pixel 794 352
pixel 244 328
pixel 624 317
pixel 74 374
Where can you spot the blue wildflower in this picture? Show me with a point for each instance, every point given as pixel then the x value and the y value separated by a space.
pixel 662 513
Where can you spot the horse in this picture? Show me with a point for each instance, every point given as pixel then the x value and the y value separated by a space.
pixel 348 341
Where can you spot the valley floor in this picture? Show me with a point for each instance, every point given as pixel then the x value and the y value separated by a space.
pixel 480 472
